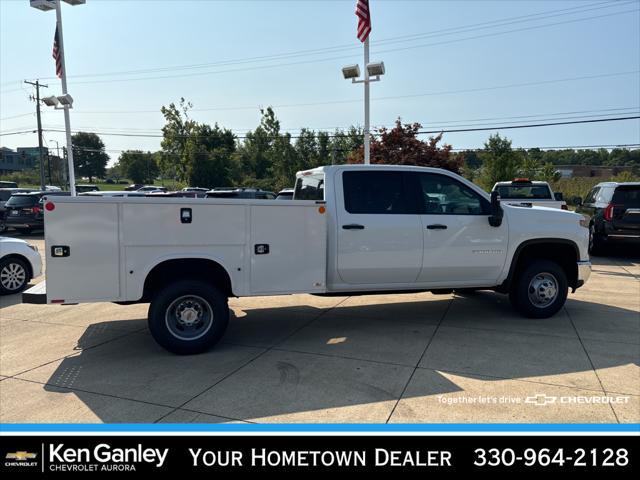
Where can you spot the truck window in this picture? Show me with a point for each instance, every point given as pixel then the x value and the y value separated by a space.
pixel 531 192
pixel 309 187
pixel 444 195
pixel 628 196
pixel 374 192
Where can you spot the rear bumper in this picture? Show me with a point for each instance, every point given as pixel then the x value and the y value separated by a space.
pixel 584 272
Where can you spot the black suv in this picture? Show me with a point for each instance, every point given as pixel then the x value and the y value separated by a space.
pixel 24 210
pixel 614 211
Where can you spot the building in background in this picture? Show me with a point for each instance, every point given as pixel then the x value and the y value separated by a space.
pixel 600 171
pixel 23 158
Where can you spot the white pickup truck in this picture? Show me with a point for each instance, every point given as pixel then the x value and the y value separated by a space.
pixel 349 229
pixel 523 192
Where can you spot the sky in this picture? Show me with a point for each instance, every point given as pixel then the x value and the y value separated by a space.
pixel 450 64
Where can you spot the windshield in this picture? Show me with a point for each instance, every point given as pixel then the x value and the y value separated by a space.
pixel 309 187
pixel 524 191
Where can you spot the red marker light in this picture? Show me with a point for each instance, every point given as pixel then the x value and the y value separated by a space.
pixel 50 206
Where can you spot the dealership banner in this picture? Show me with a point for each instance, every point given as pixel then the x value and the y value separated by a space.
pixel 57 456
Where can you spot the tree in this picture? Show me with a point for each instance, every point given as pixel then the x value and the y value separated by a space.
pixel 89 157
pixel 499 161
pixel 176 131
pixel 208 154
pixel 401 146
pixel 138 166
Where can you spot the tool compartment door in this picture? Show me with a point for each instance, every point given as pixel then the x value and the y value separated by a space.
pixel 90 269
pixel 288 248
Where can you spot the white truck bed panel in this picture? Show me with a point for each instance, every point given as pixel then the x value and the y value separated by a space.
pixel 92 269
pixel 296 261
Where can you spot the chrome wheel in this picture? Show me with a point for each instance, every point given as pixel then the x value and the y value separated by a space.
pixel 543 290
pixel 189 317
pixel 13 276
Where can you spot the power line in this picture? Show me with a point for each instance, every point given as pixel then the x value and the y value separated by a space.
pixel 260 67
pixel 385 98
pixel 351 46
pixel 497 127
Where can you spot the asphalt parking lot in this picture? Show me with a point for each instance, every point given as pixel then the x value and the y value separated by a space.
pixel 386 358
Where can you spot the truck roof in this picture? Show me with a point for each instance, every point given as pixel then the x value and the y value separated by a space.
pixel 359 166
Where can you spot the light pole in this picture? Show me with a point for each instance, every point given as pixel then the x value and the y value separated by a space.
pixel 50 5
pixel 372 73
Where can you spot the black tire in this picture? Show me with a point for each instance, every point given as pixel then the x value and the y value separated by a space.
pixel 596 241
pixel 523 293
pixel 14 275
pixel 190 297
pixel 24 231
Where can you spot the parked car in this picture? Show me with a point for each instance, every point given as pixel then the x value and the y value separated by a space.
pixel 5 195
pixel 24 211
pixel 285 194
pixel 151 188
pixel 5 184
pixel 523 192
pixel 196 189
pixel 613 210
pixel 133 187
pixel 52 188
pixel 87 188
pixel 19 263
pixel 112 193
pixel 378 228
pixel 241 193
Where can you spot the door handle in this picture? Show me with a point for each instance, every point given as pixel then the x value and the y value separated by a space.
pixel 436 226
pixel 353 226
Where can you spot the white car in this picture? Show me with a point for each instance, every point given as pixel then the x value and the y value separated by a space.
pixel 19 263
pixel 523 192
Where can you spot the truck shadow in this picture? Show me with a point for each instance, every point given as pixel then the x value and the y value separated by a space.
pixel 346 364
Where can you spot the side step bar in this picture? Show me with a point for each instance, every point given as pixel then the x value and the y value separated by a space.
pixel 36 294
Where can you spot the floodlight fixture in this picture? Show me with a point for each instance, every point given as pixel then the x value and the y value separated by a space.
pixel 375 69
pixel 66 100
pixel 51 101
pixel 351 72
pixel 43 5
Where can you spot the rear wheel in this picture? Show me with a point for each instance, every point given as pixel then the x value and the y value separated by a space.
pixel 14 275
pixel 24 231
pixel 188 317
pixel 540 289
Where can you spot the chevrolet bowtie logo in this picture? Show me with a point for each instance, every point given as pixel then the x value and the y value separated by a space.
pixel 541 400
pixel 21 456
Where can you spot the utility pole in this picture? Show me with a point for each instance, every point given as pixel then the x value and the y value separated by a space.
pixel 37 84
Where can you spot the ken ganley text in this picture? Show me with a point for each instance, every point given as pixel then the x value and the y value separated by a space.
pixel 262 457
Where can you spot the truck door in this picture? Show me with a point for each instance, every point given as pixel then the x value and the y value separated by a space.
pixel 460 247
pixel 379 240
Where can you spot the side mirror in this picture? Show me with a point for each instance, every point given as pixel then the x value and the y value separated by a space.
pixel 577 201
pixel 558 196
pixel 495 219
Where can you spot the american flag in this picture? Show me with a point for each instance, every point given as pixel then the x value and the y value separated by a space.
pixel 364 19
pixel 57 55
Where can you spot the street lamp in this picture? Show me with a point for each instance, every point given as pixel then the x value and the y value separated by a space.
pixel 372 73
pixel 65 99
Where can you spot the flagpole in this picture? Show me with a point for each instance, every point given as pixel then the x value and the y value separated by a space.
pixel 67 119
pixel 367 152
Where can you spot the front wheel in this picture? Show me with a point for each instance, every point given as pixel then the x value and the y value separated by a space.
pixel 188 317
pixel 540 290
pixel 14 275
pixel 596 241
